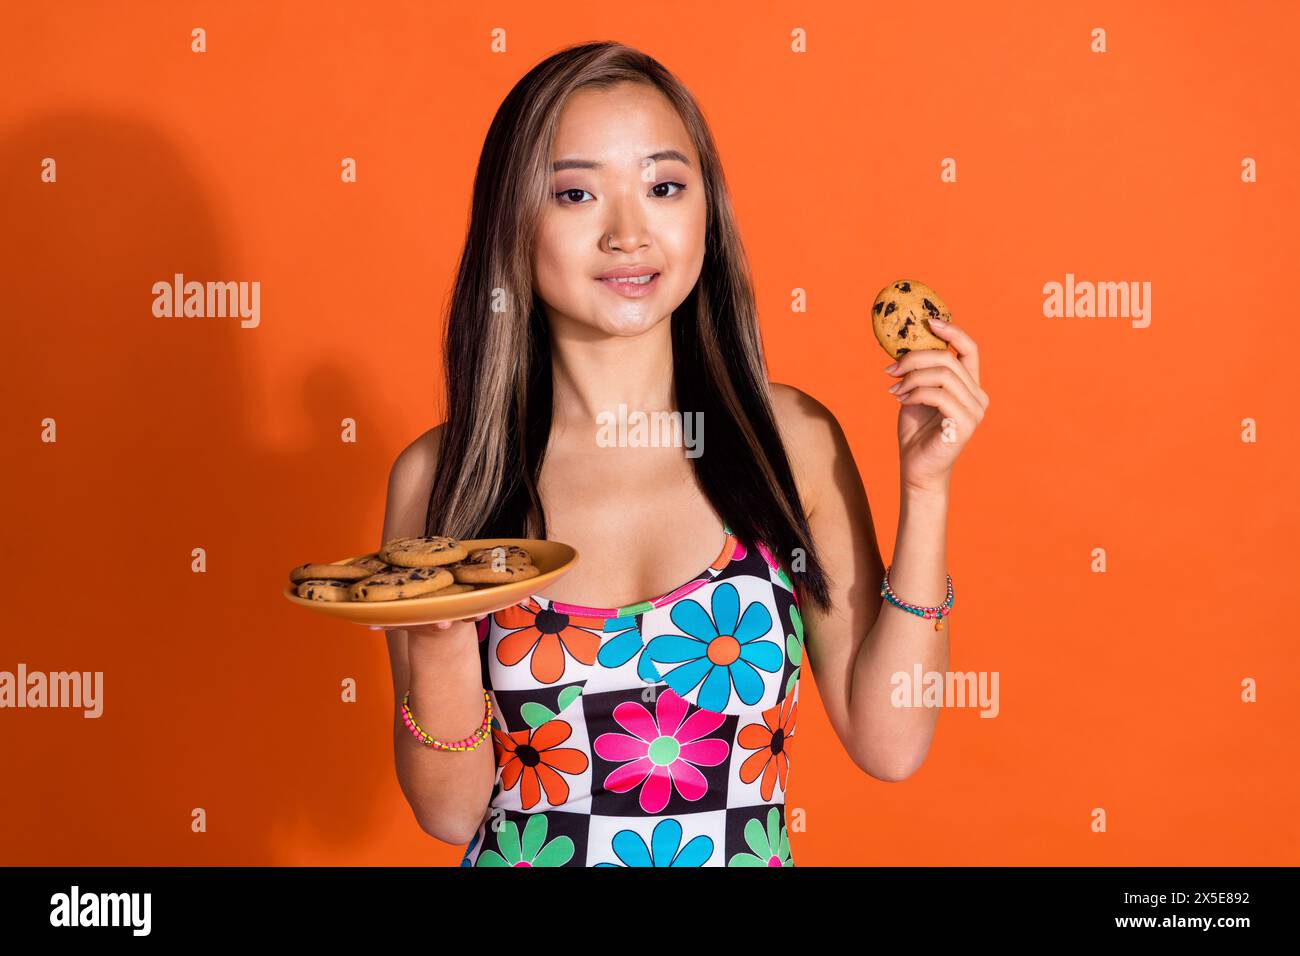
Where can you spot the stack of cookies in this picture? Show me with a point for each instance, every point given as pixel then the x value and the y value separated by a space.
pixel 414 567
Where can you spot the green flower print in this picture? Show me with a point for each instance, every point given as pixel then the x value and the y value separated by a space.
pixel 794 648
pixel 785 579
pixel 771 846
pixel 531 852
pixel 536 713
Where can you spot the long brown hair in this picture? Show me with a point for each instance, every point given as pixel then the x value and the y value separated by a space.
pixel 497 347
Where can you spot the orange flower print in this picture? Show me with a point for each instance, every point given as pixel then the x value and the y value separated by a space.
pixel 533 760
pixel 770 742
pixel 547 636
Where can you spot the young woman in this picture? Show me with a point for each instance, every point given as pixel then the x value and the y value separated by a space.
pixel 643 711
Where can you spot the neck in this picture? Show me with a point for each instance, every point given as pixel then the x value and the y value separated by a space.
pixel 594 372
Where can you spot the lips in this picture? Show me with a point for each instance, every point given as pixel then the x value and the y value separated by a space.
pixel 637 282
pixel 627 272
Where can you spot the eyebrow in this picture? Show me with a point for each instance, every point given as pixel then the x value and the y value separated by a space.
pixel 564 164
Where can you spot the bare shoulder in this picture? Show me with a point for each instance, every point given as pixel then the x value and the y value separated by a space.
pixel 808 428
pixel 409 483
pixel 422 453
pixel 812 436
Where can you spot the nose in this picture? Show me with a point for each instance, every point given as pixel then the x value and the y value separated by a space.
pixel 625 229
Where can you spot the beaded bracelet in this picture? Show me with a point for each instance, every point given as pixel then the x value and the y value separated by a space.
pixel 937 613
pixel 468 743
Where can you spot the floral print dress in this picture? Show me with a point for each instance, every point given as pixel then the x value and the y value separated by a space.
pixel 657 734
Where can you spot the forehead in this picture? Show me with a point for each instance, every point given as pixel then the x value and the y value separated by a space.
pixel 619 125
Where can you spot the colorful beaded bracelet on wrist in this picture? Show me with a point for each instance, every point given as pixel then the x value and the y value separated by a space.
pixel 468 743
pixel 938 613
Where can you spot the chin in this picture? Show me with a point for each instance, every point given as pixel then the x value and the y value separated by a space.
pixel 630 322
pixel 630 325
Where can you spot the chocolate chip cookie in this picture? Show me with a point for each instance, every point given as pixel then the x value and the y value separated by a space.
pixel 328 572
pixel 900 317
pixel 406 583
pixel 316 589
pixel 373 563
pixel 423 551
pixel 500 555
pixel 488 573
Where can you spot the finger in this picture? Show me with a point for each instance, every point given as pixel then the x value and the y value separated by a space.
pixel 931 358
pixel 443 625
pixel 940 376
pixel 943 400
pixel 967 351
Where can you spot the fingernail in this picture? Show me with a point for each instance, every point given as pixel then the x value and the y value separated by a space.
pixel 938 324
pixel 890 368
pixel 896 386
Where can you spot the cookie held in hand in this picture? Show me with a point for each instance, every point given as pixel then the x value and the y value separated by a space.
pixel 901 314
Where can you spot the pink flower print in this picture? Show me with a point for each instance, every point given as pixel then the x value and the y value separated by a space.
pixel 775 565
pixel 662 751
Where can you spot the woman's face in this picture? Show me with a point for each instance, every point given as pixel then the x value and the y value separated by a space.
pixel 626 195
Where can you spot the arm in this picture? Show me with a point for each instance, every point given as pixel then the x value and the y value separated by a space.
pixel 856 647
pixel 447 791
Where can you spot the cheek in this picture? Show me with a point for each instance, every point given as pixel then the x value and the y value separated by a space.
pixel 686 257
pixel 556 273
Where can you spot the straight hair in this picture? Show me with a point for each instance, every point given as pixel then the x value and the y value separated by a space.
pixel 497 346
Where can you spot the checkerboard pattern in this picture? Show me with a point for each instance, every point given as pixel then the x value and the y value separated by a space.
pixel 653 735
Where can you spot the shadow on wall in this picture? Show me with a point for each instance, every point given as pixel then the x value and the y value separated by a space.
pixel 217 693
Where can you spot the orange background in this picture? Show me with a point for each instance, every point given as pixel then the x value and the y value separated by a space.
pixel 1118 690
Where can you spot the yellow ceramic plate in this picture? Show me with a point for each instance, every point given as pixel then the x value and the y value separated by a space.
pixel 551 557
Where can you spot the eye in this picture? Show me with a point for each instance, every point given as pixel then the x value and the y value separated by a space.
pixel 679 186
pixel 569 192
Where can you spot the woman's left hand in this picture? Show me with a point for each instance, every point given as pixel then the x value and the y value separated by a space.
pixel 942 403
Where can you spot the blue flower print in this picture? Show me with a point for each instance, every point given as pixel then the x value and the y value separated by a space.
pixel 621 648
pixel 470 849
pixel 665 839
pixel 722 651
